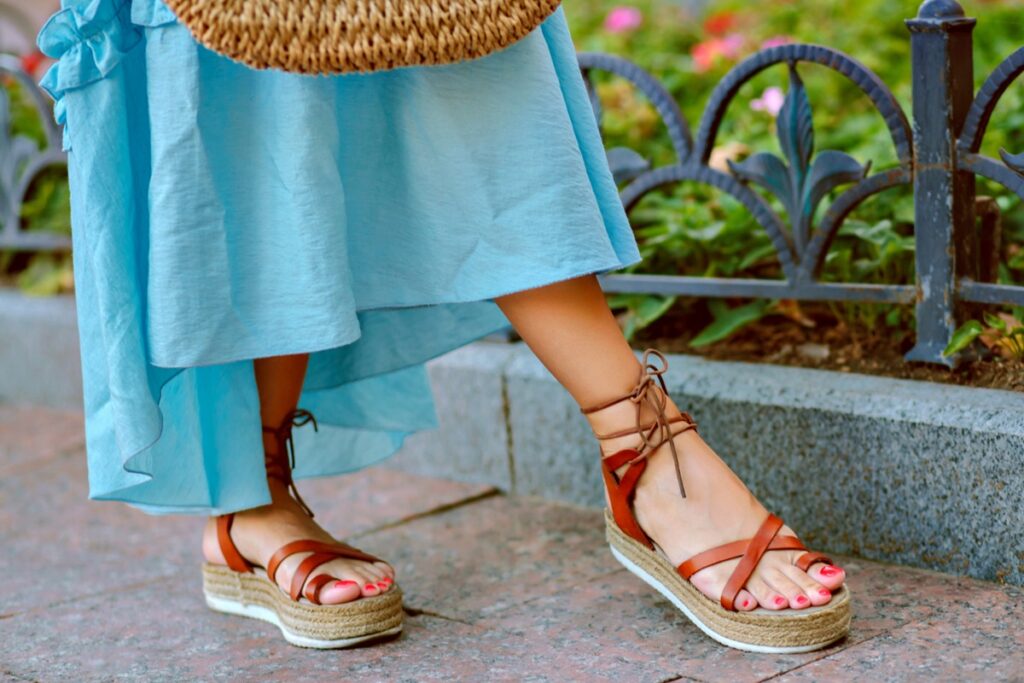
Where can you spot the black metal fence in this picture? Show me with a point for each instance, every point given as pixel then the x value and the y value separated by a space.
pixel 938 155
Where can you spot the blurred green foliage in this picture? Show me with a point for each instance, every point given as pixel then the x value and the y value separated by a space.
pixel 47 207
pixel 691 229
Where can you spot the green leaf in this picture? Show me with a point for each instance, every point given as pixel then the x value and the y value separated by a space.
pixel 729 320
pixel 995 322
pixel 963 337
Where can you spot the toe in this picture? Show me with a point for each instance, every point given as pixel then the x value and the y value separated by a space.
pixel 793 594
pixel 815 592
pixel 339 591
pixel 827 575
pixel 766 596
pixel 745 601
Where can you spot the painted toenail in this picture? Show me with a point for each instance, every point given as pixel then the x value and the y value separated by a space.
pixel 381 584
pixel 829 570
pixel 370 586
pixel 825 592
pixel 779 600
pixel 342 584
pixel 386 579
pixel 801 599
pixel 746 603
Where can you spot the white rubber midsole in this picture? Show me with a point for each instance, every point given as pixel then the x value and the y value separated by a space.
pixel 270 616
pixel 671 597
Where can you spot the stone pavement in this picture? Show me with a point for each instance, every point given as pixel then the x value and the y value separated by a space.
pixel 498 588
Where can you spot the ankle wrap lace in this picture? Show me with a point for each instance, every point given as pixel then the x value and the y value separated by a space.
pixel 646 392
pixel 281 463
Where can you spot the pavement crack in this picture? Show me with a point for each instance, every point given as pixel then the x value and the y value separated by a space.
pixel 417 612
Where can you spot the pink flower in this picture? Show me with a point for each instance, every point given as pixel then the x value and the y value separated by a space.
pixel 621 19
pixel 707 52
pixel 776 41
pixel 732 44
pixel 770 101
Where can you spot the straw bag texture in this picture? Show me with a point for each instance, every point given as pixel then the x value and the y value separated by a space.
pixel 339 36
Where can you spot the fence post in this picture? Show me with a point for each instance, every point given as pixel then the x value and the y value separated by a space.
pixel 947 245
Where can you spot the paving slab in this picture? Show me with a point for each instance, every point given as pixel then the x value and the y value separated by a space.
pixel 973 635
pixel 49 526
pixel 498 588
pixel 31 435
pixel 473 561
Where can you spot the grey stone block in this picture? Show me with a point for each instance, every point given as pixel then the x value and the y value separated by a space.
pixel 471 443
pixel 911 472
pixel 39 358
pixel 554 453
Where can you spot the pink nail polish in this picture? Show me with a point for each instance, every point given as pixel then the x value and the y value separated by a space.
pixel 381 585
pixel 370 586
pixel 829 570
pixel 342 584
pixel 746 603
pixel 386 579
pixel 801 599
pixel 825 592
pixel 779 600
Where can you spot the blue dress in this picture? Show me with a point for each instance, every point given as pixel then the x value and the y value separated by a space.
pixel 222 213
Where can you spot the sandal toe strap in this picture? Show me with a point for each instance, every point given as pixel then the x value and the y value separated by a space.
pixel 749 551
pixel 805 561
pixel 315 585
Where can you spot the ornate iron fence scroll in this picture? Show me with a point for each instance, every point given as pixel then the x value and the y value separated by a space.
pixel 22 160
pixel 938 156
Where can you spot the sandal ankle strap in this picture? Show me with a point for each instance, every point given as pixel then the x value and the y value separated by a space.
pixel 279 465
pixel 646 391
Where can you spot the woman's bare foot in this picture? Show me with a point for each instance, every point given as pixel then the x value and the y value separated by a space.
pixel 259 532
pixel 718 508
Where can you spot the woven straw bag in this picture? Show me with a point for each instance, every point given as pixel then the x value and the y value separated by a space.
pixel 339 36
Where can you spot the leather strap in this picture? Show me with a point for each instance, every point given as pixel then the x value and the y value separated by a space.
pixel 315 585
pixel 231 555
pixel 280 464
pixel 306 568
pixel 751 556
pixel 305 546
pixel 805 561
pixel 730 551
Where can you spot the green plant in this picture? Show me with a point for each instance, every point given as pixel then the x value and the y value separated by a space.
pixel 47 206
pixel 690 229
pixel 1003 335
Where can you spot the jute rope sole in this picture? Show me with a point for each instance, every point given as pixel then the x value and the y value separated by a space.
pixel 302 623
pixel 759 630
pixel 339 36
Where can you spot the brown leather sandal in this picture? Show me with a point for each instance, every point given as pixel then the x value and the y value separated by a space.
pixel 248 590
pixel 757 630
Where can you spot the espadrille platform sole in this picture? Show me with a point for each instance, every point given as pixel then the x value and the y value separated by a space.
pixel 759 630
pixel 301 622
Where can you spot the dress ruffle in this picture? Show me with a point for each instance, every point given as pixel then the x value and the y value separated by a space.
pixel 88 40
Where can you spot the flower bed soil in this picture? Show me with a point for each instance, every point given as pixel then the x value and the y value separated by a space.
pixel 828 345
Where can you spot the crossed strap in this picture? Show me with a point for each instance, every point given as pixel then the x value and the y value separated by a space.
pixel 750 552
pixel 622 490
pixel 322 553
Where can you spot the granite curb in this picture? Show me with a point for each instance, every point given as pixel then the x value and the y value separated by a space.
pixel 916 473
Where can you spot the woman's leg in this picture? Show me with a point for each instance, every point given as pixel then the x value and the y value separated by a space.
pixel 570 328
pixel 260 531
